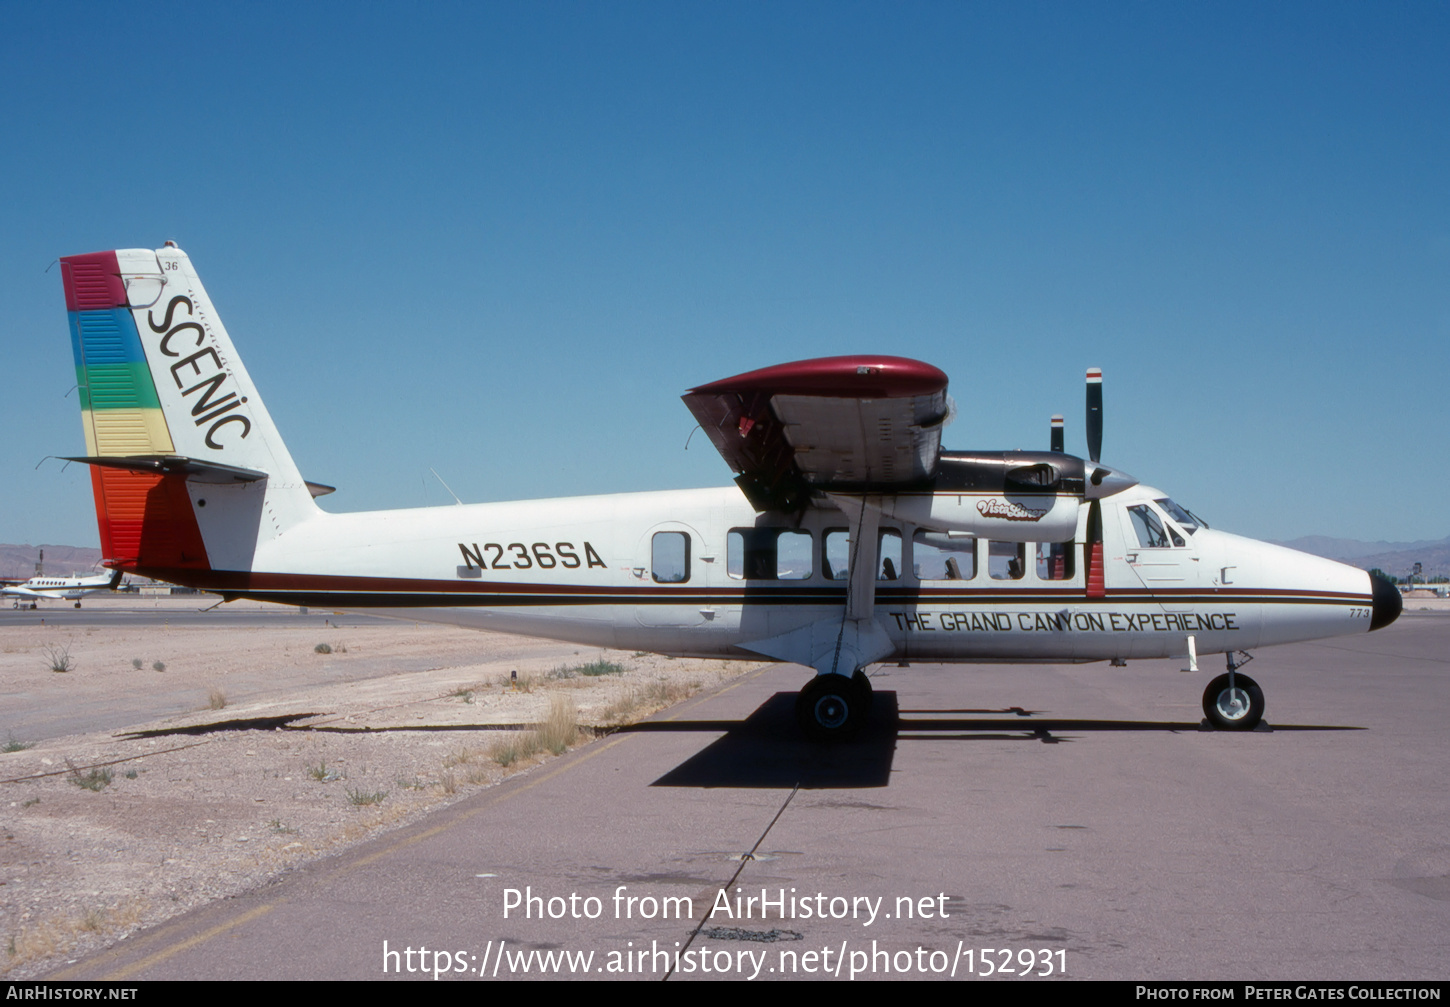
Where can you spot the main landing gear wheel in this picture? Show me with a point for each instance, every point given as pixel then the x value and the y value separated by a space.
pixel 1237 709
pixel 832 707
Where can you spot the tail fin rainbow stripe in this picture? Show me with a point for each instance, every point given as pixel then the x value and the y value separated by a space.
pixel 122 418
pixel 172 421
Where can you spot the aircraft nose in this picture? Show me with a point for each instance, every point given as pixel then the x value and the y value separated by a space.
pixel 1387 603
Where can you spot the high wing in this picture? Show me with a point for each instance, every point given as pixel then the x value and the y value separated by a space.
pixel 839 423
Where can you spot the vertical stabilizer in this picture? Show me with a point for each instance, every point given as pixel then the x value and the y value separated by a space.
pixel 188 470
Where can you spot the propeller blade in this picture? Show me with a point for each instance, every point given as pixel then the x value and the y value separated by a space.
pixel 1095 412
pixel 1057 444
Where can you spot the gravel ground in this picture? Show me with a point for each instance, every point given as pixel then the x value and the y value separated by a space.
pixel 252 753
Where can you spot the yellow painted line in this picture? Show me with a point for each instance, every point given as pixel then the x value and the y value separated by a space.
pixel 128 971
pixel 429 833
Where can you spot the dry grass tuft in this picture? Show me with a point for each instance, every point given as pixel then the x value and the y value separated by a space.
pixel 56 935
pixel 640 701
pixel 459 757
pixel 594 669
pixel 216 699
pixel 560 729
pixel 514 748
pixel 362 798
pixel 59 659
pixel 96 780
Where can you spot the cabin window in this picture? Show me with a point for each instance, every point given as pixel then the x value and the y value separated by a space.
pixel 793 555
pixel 1007 560
pixel 938 555
pixel 670 557
pixel 888 564
pixel 768 554
pixel 1054 561
pixel 837 554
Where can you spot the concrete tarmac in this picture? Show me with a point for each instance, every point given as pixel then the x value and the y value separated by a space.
pixel 1071 820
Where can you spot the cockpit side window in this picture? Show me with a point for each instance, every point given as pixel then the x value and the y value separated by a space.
pixel 1186 519
pixel 1149 529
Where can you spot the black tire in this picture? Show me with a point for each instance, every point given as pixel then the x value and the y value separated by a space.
pixel 862 682
pixel 831 708
pixel 1241 712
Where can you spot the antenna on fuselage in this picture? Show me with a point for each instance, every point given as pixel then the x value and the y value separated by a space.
pixel 446 486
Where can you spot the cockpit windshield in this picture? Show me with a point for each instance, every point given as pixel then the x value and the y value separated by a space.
pixel 1187 520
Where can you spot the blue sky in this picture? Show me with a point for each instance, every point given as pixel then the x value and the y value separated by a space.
pixel 500 240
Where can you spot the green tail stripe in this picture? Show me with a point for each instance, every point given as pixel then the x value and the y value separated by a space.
pixel 117 386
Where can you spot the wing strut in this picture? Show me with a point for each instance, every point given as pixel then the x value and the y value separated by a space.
pixel 865 549
pixel 841 646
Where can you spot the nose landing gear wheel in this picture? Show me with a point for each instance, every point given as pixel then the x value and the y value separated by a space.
pixel 1237 709
pixel 831 708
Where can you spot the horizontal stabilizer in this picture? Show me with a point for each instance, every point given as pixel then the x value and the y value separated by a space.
pixel 194 470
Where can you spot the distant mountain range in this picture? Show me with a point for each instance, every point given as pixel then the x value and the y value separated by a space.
pixel 1396 558
pixel 18 561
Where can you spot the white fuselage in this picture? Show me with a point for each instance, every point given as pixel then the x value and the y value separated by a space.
pixel 667 572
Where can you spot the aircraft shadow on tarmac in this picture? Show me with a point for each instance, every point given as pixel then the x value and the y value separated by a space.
pixel 288 722
pixel 766 749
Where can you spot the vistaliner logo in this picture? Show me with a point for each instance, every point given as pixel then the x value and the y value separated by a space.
pixel 1010 511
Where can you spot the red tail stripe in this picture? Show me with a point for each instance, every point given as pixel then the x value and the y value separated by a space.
pixel 146 519
pixel 92 281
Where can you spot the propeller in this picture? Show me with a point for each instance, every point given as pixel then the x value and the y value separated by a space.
pixel 1100 480
pixel 1095 413
pixel 1096 587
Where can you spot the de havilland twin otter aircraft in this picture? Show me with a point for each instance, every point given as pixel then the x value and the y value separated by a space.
pixel 850 537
